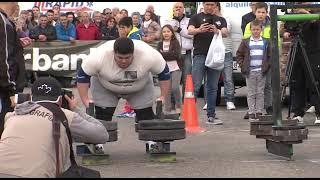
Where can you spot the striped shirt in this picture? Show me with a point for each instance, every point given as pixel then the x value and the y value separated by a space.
pixel 256 53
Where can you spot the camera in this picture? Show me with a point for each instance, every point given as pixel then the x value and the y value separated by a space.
pixel 65 103
pixel 294 27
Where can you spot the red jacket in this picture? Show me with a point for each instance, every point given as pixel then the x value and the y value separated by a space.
pixel 90 33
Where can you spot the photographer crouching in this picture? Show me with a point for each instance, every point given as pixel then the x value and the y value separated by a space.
pixel 301 80
pixel 27 147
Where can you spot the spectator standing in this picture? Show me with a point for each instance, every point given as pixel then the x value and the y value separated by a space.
pixel 56 7
pixel 228 64
pixel 86 30
pixel 262 16
pixel 31 23
pixel 253 57
pixel 169 48
pixel 248 17
pixel 11 62
pixel 111 30
pixel 103 18
pixel 124 13
pixel 96 16
pixel 44 31
pixel 136 20
pixel 203 26
pixel 180 26
pixel 24 14
pixel 22 28
pixel 150 8
pixel 126 29
pixel 107 12
pixel 150 28
pixel 56 16
pixel 36 13
pixel 66 31
pixel 71 18
pixel 115 11
pixel 50 16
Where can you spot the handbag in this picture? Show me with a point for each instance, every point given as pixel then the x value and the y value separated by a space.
pixel 74 171
pixel 216 53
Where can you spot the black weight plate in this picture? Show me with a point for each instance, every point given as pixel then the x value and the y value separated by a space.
pixel 162 135
pixel 113 136
pixel 110 125
pixel 161 124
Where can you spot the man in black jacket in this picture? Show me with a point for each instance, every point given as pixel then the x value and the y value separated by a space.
pixel 11 64
pixel 44 31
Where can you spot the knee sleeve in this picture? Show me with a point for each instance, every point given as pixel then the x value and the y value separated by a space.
pixel 144 114
pixel 104 113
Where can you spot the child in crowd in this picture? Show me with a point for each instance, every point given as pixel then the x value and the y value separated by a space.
pixel 127 29
pixel 170 49
pixel 253 56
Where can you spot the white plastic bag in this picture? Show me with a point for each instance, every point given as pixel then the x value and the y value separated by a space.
pixel 216 53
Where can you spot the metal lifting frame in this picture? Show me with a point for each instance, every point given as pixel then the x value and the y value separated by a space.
pixel 274 17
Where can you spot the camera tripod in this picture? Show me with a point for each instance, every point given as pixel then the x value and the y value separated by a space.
pixel 297 42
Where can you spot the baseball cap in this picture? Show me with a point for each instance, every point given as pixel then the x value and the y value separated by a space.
pixel 46 89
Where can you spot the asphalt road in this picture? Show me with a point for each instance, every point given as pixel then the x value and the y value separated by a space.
pixel 226 150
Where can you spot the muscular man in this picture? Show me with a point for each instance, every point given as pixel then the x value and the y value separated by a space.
pixel 122 69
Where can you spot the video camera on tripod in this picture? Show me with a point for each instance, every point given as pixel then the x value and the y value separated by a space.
pixel 295 26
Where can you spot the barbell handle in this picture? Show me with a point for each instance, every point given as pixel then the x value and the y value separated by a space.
pixel 159 112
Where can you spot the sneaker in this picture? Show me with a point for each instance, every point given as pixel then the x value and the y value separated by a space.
pixel 131 114
pixel 246 116
pixel 230 106
pixel 311 110
pixel 205 107
pixel 252 117
pixel 217 122
pixel 299 118
pixel 214 121
pixel 210 120
pixel 96 148
pixel 122 115
pixel 317 121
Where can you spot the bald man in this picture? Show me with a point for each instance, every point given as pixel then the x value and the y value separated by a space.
pixel 180 25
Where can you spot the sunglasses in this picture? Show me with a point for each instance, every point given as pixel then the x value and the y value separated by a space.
pixel 109 13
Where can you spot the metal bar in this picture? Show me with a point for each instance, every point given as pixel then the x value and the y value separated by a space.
pixel 90 109
pixel 275 77
pixel 298 17
pixel 297 6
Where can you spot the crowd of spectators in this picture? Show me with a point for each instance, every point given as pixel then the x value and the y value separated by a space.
pixel 193 34
pixel 83 25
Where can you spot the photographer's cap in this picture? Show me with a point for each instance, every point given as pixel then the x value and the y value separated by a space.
pixel 46 89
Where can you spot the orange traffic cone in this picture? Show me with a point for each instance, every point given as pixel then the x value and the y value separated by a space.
pixel 189 109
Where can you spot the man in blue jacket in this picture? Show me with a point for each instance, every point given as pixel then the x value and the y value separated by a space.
pixel 66 31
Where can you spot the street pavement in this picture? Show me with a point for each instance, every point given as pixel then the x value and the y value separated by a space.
pixel 226 150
